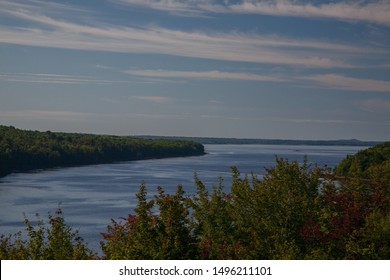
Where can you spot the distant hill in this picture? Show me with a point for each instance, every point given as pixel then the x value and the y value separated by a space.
pixel 213 140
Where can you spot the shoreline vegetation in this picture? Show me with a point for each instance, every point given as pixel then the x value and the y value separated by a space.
pixel 296 210
pixel 250 141
pixel 25 150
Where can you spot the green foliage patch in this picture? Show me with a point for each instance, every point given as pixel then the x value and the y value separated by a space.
pixel 363 162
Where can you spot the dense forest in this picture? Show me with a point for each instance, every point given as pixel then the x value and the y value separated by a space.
pixel 295 211
pixel 22 150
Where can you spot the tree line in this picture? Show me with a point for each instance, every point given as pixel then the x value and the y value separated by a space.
pixel 252 141
pixel 295 211
pixel 23 150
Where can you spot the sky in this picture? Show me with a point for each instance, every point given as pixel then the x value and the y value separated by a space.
pixel 271 69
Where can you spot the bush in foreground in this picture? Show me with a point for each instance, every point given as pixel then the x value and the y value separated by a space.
pixel 296 211
pixel 54 241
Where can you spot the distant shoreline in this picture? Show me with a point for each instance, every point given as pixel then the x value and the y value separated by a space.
pixel 243 141
pixel 24 150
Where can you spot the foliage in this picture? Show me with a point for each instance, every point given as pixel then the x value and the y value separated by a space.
pixel 364 161
pixel 55 241
pixel 152 236
pixel 294 211
pixel 22 150
pixel 213 226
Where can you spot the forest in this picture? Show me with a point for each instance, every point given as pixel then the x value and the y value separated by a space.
pixel 296 210
pixel 23 150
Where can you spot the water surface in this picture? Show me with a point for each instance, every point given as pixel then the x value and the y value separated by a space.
pixel 91 195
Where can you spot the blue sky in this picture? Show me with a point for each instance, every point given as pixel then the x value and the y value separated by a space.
pixel 288 69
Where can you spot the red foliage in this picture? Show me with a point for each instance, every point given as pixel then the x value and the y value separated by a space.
pixel 131 219
pixel 311 230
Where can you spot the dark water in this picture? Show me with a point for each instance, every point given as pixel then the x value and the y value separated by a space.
pixel 91 195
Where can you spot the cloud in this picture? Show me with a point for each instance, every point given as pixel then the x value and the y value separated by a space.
pixel 204 75
pixel 375 105
pixel 47 31
pixel 179 8
pixel 368 11
pixel 46 115
pixel 336 81
pixel 228 47
pixel 328 121
pixel 155 99
pixel 104 67
pixel 44 78
pixel 39 5
pixel 291 120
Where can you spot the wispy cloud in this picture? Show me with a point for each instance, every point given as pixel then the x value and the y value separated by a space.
pixel 370 11
pixel 229 47
pixel 155 99
pixel 336 81
pixel 374 105
pixel 104 67
pixel 39 5
pixel 328 121
pixel 47 31
pixel 205 75
pixel 45 78
pixel 176 7
pixel 291 120
pixel 46 115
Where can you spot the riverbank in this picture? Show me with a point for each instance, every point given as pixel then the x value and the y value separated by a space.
pixel 25 150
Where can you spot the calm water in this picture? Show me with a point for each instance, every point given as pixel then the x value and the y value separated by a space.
pixel 91 195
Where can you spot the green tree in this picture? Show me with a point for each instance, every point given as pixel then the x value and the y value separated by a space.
pixel 173 231
pixel 212 223
pixel 134 237
pixel 284 199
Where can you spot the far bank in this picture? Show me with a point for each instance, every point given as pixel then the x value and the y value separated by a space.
pixel 25 150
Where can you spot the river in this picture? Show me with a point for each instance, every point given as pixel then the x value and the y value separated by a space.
pixel 90 196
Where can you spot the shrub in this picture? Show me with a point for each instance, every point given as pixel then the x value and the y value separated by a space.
pixel 55 241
